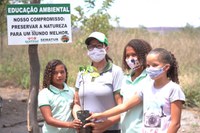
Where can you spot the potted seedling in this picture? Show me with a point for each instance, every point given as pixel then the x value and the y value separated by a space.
pixel 83 114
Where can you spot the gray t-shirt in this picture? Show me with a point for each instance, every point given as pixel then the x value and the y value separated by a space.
pixel 97 94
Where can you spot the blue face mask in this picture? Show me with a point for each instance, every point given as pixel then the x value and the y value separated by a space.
pixel 154 72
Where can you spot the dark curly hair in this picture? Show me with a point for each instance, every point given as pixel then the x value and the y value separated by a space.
pixel 49 71
pixel 141 47
pixel 167 57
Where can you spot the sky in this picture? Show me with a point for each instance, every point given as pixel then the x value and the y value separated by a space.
pixel 149 13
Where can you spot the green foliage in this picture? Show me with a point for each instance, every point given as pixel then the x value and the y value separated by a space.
pixel 193 96
pixel 3 15
pixel 96 21
pixel 25 80
pixel 190 81
pixel 89 69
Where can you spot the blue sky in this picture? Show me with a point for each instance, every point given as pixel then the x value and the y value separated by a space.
pixel 150 13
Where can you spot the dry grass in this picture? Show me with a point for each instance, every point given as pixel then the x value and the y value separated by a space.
pixel 14 63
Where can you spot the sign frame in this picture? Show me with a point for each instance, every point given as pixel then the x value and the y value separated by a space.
pixel 38 24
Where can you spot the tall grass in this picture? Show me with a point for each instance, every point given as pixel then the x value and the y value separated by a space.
pixel 14 63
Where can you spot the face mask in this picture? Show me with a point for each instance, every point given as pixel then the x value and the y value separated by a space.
pixel 154 72
pixel 97 55
pixel 133 63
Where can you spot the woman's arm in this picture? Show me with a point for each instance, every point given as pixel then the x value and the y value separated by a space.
pixel 133 101
pixel 176 109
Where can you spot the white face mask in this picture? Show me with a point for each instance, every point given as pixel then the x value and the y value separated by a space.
pixel 154 72
pixel 97 55
pixel 133 63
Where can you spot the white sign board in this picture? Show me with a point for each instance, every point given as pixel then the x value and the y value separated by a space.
pixel 38 24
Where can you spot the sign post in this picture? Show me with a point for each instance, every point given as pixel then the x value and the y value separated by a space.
pixel 33 24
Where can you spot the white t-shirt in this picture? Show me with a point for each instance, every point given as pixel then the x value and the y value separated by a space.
pixel 157 106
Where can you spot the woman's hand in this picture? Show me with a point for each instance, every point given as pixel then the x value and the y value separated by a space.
pixel 97 127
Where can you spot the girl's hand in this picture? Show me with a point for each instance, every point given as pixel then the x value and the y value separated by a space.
pixel 95 116
pixel 76 124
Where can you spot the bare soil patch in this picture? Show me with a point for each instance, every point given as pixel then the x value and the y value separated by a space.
pixel 13 116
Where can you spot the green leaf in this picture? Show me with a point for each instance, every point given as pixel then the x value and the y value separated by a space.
pixel 81 68
pixel 95 74
pixel 89 69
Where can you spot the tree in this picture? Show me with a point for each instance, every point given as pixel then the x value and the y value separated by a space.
pixel 3 21
pixel 32 123
pixel 95 21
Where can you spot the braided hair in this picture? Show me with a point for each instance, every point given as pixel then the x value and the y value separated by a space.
pixel 167 57
pixel 49 71
pixel 141 47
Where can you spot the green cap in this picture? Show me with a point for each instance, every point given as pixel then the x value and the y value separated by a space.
pixel 99 36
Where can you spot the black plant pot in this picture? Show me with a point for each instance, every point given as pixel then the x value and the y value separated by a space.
pixel 82 115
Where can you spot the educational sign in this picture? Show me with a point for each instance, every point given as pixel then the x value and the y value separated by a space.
pixel 38 24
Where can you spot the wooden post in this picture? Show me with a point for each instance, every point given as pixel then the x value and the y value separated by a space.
pixel 32 123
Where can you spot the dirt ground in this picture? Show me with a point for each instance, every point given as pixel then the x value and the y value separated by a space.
pixel 14 111
pixel 13 116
